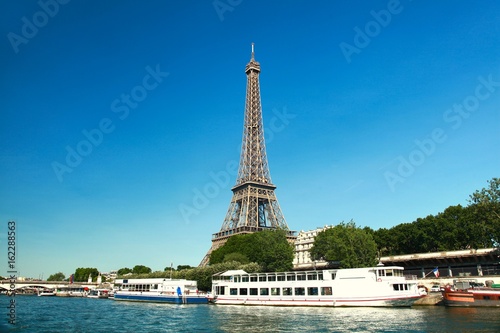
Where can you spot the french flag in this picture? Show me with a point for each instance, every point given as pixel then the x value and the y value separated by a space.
pixel 436 272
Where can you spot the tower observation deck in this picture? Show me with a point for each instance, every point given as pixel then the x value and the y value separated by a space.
pixel 254 206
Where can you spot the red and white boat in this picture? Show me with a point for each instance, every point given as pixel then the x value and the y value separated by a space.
pixel 373 286
pixel 463 293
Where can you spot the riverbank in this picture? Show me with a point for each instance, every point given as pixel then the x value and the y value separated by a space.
pixel 430 299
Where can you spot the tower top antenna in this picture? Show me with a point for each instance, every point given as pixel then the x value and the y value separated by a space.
pixel 253 53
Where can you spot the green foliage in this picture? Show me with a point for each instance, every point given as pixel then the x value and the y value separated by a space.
pixel 56 277
pixel 82 274
pixel 123 271
pixel 236 256
pixel 269 248
pixel 352 246
pixel 141 269
pixel 181 267
pixel 486 208
pixel 457 228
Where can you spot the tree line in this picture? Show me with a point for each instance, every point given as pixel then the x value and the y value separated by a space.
pixel 456 228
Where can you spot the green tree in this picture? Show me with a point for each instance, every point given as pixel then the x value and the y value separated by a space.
pixel 82 274
pixel 56 277
pixel 485 204
pixel 352 246
pixel 270 249
pixel 181 267
pixel 141 269
pixel 236 256
pixel 123 271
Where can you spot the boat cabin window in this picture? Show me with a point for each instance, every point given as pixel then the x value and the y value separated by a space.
pixel 287 291
pixel 381 272
pixel 253 279
pixel 244 279
pixel 290 277
pixel 312 291
pixel 233 291
pixel 281 278
pixel 299 291
pixel 301 277
pixel 400 286
pixel 220 290
pixel 271 278
pixel 326 291
pixel 243 291
pixel 262 278
pixel 253 291
pixel 264 291
pixel 313 276
pixel 275 291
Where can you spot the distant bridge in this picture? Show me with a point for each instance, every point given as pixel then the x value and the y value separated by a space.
pixel 6 284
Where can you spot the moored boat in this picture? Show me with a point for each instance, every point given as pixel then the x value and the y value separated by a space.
pixel 98 293
pixel 46 292
pixel 466 293
pixel 71 291
pixel 177 291
pixel 373 286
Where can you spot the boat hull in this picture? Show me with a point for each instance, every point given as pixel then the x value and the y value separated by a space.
pixel 472 298
pixel 155 298
pixel 317 302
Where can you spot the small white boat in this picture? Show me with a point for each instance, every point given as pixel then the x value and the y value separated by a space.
pixel 71 291
pixel 373 286
pixel 159 290
pixel 98 293
pixel 46 292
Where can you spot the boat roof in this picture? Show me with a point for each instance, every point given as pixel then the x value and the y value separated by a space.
pixel 242 272
pixel 232 272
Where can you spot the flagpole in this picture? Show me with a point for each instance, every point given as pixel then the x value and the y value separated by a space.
pixel 435 269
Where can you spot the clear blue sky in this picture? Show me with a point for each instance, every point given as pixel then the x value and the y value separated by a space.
pixel 380 111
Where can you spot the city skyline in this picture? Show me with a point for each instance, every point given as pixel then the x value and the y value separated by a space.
pixel 122 122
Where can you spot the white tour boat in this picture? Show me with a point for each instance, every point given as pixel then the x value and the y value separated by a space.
pixel 373 286
pixel 178 291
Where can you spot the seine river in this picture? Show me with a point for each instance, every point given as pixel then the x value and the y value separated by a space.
pixel 60 314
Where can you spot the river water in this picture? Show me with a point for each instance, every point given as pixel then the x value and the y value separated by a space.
pixel 61 314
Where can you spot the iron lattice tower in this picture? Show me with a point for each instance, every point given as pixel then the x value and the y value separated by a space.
pixel 254 206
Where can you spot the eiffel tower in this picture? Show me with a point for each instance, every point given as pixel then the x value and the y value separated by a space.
pixel 254 206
